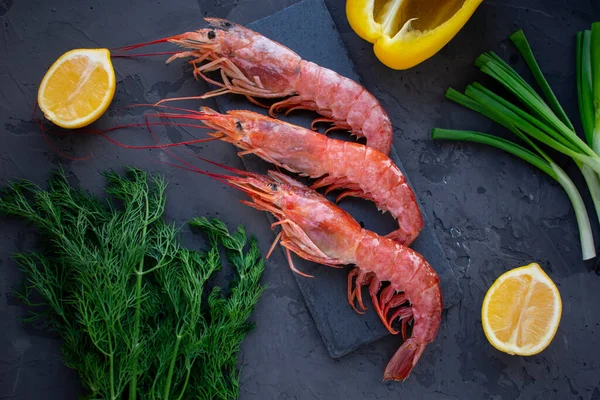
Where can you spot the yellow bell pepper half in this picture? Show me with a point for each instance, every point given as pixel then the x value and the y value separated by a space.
pixel 407 32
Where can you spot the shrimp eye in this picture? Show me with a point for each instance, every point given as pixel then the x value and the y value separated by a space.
pixel 212 35
pixel 228 24
pixel 274 187
pixel 239 126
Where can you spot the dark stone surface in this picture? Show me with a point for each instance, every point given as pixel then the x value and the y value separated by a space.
pixel 342 329
pixel 490 211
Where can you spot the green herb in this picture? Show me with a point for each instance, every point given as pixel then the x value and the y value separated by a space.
pixel 127 298
pixel 536 119
pixel 584 84
pixel 594 57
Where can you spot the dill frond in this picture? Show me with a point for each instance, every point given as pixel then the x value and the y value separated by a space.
pixel 126 297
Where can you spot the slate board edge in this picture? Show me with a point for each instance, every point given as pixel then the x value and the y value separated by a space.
pixel 434 240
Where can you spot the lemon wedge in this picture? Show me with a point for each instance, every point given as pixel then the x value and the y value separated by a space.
pixel 78 88
pixel 407 32
pixel 521 311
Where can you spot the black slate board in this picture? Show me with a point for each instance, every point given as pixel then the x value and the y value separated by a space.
pixel 307 29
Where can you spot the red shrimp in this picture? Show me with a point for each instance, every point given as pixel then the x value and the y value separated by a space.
pixel 255 66
pixel 317 230
pixel 363 171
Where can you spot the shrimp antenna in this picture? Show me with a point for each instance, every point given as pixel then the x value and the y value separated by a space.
pixel 158 53
pixel 137 46
pixel 225 167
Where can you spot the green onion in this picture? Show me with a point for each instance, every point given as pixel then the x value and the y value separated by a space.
pixel 584 84
pixel 587 110
pixel 595 71
pixel 543 119
pixel 543 163
pixel 519 40
pixel 534 103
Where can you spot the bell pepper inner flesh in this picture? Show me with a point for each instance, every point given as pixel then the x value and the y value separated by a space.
pixel 399 17
pixel 387 14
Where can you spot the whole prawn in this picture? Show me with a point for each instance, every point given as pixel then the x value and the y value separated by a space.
pixel 363 171
pixel 258 67
pixel 317 230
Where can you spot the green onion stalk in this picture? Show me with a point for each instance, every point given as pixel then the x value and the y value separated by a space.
pixel 588 94
pixel 595 72
pixel 537 119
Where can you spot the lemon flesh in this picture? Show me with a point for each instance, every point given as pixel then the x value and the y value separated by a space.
pixel 78 88
pixel 521 311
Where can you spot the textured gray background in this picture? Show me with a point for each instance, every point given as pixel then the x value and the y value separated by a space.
pixel 491 211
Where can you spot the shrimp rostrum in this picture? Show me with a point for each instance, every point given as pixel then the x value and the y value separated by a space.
pixel 257 67
pixel 402 285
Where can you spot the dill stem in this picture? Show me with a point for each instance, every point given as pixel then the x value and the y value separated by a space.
pixel 112 369
pixel 187 379
pixel 172 366
pixel 138 306
pixel 157 266
pixel 136 331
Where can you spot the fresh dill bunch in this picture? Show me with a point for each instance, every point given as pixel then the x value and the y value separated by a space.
pixel 229 316
pixel 126 297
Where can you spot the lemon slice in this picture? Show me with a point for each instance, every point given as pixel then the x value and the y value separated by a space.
pixel 521 311
pixel 407 32
pixel 78 88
